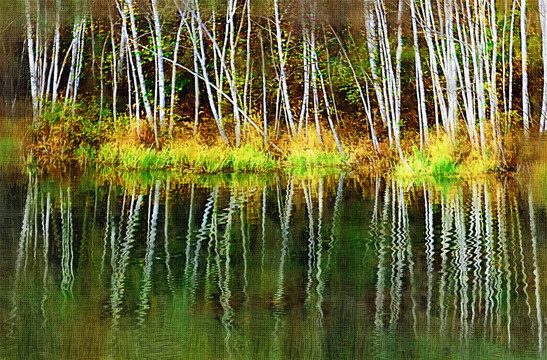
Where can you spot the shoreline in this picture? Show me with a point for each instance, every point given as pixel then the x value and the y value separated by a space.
pixel 58 143
pixel 194 157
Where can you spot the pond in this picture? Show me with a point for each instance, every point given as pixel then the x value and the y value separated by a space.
pixel 282 267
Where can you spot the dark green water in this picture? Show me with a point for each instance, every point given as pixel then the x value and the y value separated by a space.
pixel 283 268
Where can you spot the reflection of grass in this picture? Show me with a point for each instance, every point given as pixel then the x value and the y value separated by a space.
pixel 12 135
pixel 539 183
pixel 433 347
pixel 9 150
pixel 142 179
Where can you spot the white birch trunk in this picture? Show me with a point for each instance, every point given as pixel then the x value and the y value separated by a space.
pixel 197 35
pixel 304 109
pixel 450 72
pixel 79 61
pixel 314 77
pixel 174 76
pixel 114 71
pixel 543 20
pixel 31 60
pixel 327 106
pixel 128 9
pixel 420 87
pixel 73 61
pixel 233 76
pixel 467 84
pixel 264 95
pixel 510 60
pixel 494 118
pixel 101 79
pixel 246 86
pixel 282 74
pixel 159 60
pixel 524 66
pixel 56 51
pixel 372 46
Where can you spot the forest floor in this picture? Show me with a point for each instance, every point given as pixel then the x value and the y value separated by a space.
pixel 60 141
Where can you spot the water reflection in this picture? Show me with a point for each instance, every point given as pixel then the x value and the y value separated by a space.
pixel 295 268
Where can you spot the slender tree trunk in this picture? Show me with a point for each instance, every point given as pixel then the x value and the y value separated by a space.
pixel 136 94
pixel 79 61
pixel 327 107
pixel 246 86
pixel 511 65
pixel 467 84
pixel 314 77
pixel 197 35
pixel 431 34
pixel 234 74
pixel 196 93
pixel 174 75
pixel 159 60
pixel 129 87
pixel 391 72
pixel 304 109
pixel 372 46
pixel 78 37
pixel 420 87
pixel 128 10
pixel 451 66
pixel 524 66
pixel 494 116
pixel 31 60
pixel 282 74
pixel 543 20
pixel 264 95
pixel 114 71
pixel 329 77
pixel 56 47
pixel 101 76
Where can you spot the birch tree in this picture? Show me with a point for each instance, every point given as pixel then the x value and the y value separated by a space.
pixel 158 53
pixel 32 60
pixel 127 12
pixel 282 74
pixel 196 30
pixel 524 65
pixel 420 86
pixel 543 21
pixel 388 88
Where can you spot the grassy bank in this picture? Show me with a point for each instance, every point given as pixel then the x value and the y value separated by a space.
pixel 445 159
pixel 62 141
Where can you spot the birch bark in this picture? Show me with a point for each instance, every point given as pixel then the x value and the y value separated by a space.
pixel 543 20
pixel 524 66
pixel 282 74
pixel 159 61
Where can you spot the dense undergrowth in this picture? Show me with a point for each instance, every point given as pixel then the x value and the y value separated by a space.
pixel 444 159
pixel 63 139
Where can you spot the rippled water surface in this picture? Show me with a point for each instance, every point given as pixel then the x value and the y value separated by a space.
pixel 281 268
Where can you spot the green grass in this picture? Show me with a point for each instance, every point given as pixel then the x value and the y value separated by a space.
pixel 314 158
pixel 444 160
pixel 187 156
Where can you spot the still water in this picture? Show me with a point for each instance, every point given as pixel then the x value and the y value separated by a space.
pixel 285 267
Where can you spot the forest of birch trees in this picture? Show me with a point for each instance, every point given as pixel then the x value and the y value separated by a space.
pixel 384 68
